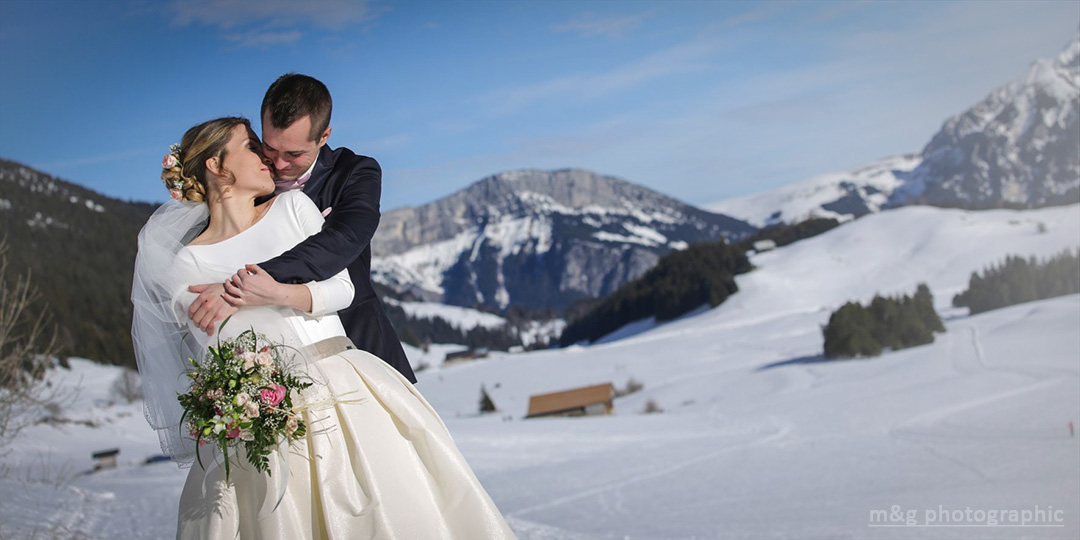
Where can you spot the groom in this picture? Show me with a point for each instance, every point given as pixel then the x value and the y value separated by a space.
pixel 346 188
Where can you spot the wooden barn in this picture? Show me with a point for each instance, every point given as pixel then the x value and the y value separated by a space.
pixel 584 401
pixel 465 356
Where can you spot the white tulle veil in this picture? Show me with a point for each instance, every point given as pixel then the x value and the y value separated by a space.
pixel 158 328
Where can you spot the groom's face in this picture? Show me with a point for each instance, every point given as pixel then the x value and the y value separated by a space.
pixel 291 149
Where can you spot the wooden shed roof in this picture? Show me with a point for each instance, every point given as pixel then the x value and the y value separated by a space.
pixel 541 404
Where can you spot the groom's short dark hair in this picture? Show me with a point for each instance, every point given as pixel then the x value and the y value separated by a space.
pixel 294 96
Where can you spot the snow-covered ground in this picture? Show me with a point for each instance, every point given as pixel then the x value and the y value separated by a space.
pixel 461 318
pixel 759 438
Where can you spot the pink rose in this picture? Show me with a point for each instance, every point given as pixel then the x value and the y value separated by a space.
pixel 169 161
pixel 273 395
pixel 233 431
pixel 175 194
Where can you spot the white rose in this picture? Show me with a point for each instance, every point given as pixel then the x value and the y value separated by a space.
pixel 249 359
pixel 263 359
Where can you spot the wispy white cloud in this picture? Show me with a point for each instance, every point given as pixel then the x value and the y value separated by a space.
pixel 591 25
pixel 328 14
pixel 766 11
pixel 263 38
pixel 683 58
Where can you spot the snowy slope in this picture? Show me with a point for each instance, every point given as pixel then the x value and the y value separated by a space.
pixel 458 317
pixel 841 195
pixel 759 438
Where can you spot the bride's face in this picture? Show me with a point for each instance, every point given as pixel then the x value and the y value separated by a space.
pixel 250 171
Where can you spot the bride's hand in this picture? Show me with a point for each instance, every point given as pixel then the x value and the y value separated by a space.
pixel 210 307
pixel 252 286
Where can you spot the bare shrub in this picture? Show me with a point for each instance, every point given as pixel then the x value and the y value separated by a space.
pixel 632 385
pixel 28 342
pixel 652 407
pixel 128 386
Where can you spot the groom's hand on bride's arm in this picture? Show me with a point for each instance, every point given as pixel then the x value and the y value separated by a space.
pixel 210 307
pixel 251 286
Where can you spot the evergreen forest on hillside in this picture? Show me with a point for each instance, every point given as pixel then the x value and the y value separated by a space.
pixel 680 282
pixel 1017 280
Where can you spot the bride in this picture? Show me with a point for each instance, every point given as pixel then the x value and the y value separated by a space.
pixel 377 462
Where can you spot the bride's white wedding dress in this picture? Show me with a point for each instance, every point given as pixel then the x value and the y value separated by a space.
pixel 377 464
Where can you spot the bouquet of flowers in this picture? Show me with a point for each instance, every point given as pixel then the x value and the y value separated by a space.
pixel 242 394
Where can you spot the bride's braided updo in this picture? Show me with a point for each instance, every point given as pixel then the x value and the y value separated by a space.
pixel 183 170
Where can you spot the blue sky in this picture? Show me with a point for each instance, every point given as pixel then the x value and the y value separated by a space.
pixel 700 100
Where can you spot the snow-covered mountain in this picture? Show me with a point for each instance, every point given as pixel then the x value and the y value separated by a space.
pixel 842 196
pixel 1019 147
pixel 539 239
pixel 759 437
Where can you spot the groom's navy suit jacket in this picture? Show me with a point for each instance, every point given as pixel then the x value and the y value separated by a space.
pixel 350 186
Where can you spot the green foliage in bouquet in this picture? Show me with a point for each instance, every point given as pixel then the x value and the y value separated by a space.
pixel 241 394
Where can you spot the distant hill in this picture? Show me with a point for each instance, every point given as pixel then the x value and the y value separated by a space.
pixel 537 239
pixel 79 247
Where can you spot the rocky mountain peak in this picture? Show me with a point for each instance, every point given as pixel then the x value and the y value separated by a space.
pixel 541 239
pixel 1020 146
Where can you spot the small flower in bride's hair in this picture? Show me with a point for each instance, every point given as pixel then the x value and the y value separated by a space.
pixel 174 148
pixel 175 194
pixel 169 161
